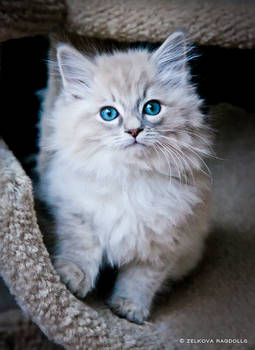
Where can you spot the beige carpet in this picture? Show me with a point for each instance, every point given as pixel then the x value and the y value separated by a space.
pixel 228 23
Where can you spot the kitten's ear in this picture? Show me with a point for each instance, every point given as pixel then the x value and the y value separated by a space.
pixel 170 57
pixel 76 70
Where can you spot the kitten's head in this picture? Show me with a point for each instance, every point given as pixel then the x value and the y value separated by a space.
pixel 135 107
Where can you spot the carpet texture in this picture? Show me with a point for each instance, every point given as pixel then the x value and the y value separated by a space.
pixel 217 302
pixel 228 23
pixel 20 18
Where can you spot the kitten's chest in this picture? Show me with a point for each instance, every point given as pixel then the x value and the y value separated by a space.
pixel 122 202
pixel 126 216
pixel 129 206
pixel 129 215
pixel 113 200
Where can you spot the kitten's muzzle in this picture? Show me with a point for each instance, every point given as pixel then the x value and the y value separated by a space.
pixel 134 132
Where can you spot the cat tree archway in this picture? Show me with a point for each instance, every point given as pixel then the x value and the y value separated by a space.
pixel 24 260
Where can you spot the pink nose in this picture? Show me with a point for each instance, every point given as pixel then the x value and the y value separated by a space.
pixel 134 132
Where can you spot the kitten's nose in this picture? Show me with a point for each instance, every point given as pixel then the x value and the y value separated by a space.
pixel 134 132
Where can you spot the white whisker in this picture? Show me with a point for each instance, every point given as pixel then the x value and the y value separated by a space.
pixel 170 154
pixel 179 159
pixel 169 166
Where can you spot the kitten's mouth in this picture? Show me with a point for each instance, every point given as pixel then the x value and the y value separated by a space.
pixel 136 143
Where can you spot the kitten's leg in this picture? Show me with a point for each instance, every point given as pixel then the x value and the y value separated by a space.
pixel 134 291
pixel 78 258
pixel 72 276
pixel 79 270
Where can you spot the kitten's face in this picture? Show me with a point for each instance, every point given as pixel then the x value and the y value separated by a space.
pixel 134 104
pixel 129 103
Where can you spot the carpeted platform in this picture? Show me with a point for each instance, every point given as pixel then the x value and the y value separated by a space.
pixel 228 23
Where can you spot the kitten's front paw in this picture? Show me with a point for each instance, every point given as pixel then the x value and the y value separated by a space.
pixel 126 308
pixel 74 278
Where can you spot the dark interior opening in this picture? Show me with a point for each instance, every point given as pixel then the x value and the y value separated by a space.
pixel 221 75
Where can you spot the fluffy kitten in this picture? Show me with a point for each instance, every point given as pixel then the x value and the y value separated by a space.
pixel 121 166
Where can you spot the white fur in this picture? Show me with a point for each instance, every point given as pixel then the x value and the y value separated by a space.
pixel 142 206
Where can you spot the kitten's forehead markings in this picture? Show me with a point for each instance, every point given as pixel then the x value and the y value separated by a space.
pixel 138 104
pixel 126 88
pixel 113 97
pixel 131 101
pixel 143 98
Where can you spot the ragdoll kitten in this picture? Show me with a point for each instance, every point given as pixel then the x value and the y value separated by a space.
pixel 121 166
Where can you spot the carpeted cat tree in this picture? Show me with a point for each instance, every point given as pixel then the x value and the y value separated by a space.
pixel 216 304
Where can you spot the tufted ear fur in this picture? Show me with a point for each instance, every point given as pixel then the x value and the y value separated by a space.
pixel 76 70
pixel 171 58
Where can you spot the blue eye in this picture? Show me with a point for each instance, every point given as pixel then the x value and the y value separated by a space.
pixel 109 113
pixel 152 107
